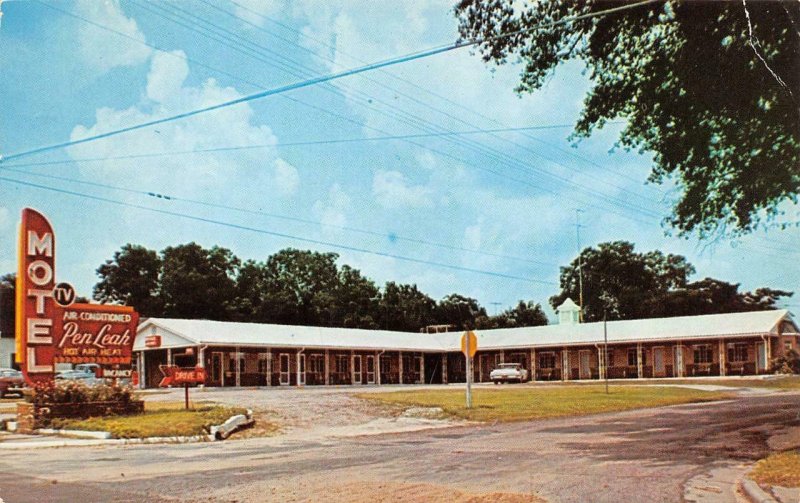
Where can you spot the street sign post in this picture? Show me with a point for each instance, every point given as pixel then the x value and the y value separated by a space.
pixel 174 375
pixel 469 346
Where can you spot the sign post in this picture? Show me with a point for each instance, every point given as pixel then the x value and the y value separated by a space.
pixel 469 346
pixel 180 375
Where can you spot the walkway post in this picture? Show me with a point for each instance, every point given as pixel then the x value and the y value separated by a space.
pixel 605 349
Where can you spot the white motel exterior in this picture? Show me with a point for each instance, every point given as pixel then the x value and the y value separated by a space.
pixel 250 354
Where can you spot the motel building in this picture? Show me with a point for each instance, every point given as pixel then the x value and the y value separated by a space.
pixel 250 354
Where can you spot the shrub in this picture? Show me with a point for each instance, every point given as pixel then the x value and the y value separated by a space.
pixel 78 392
pixel 789 363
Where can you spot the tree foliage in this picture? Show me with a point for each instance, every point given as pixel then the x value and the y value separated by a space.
pixel 294 287
pixel 629 285
pixel 712 89
pixel 131 278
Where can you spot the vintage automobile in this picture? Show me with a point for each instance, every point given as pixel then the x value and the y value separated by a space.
pixel 509 372
pixel 11 382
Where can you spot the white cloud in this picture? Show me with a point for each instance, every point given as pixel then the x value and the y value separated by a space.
pixel 167 73
pixel 236 178
pixel 105 51
pixel 333 210
pixel 287 179
pixel 391 190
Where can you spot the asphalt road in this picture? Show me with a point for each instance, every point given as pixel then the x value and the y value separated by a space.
pixel 648 455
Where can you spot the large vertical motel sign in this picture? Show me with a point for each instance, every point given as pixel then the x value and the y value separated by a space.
pixel 50 327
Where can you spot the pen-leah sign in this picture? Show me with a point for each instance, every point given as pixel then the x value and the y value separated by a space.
pixel 50 327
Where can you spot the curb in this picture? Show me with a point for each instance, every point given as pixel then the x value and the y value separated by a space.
pixel 754 493
pixel 42 444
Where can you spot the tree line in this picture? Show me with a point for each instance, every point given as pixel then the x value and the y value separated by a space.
pixel 303 287
pixel 293 287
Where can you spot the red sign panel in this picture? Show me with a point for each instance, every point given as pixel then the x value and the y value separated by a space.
pixel 95 333
pixel 152 341
pixel 50 327
pixel 181 375
pixel 36 310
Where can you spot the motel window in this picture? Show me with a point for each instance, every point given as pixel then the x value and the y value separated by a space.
pixel 632 357
pixel 737 353
pixel 517 358
pixel 703 354
pixel 341 364
pixel 262 363
pixel 787 346
pixel 547 360
pixel 232 363
pixel 316 364
pixel 386 363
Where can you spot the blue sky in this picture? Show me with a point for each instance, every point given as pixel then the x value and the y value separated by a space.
pixel 71 69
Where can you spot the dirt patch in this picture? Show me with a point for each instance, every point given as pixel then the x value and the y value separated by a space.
pixel 398 492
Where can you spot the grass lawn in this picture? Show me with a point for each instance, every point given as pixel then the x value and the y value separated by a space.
pixel 789 382
pixel 782 469
pixel 519 404
pixel 158 420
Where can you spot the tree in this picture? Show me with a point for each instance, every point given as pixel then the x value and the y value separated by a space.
pixel 300 286
pixel 405 307
pixel 355 300
pixel 712 89
pixel 647 285
pixel 197 282
pixel 460 311
pixel 615 272
pixel 8 288
pixel 131 278
pixel 524 314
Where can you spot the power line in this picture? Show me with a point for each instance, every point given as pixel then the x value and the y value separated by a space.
pixel 416 86
pixel 276 234
pixel 321 79
pixel 240 44
pixel 482 150
pixel 168 197
pixel 291 144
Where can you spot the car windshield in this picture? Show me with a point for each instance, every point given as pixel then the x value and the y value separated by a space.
pixel 509 365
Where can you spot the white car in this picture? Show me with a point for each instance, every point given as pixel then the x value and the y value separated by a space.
pixel 508 372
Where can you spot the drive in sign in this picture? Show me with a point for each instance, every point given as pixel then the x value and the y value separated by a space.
pixel 50 327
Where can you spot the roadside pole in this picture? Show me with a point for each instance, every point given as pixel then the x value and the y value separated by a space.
pixel 469 346
pixel 605 349
pixel 469 374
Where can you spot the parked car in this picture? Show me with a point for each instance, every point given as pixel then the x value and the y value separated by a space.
pixel 86 377
pixel 11 382
pixel 89 367
pixel 509 372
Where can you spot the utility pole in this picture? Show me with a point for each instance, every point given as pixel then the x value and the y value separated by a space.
pixel 605 347
pixel 578 212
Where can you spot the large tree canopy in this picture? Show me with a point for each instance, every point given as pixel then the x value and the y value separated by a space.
pixel 131 277
pixel 628 285
pixel 712 89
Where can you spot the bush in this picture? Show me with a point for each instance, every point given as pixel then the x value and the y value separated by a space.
pixel 78 392
pixel 789 363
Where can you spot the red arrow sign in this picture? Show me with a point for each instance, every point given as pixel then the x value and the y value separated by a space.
pixel 174 375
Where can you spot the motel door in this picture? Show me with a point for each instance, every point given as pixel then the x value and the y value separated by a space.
pixel 658 362
pixel 370 369
pixel 585 372
pixel 356 369
pixel 217 377
pixel 285 378
pixel 761 357
pixel 301 369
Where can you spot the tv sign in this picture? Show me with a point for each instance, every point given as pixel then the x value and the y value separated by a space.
pixel 50 326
